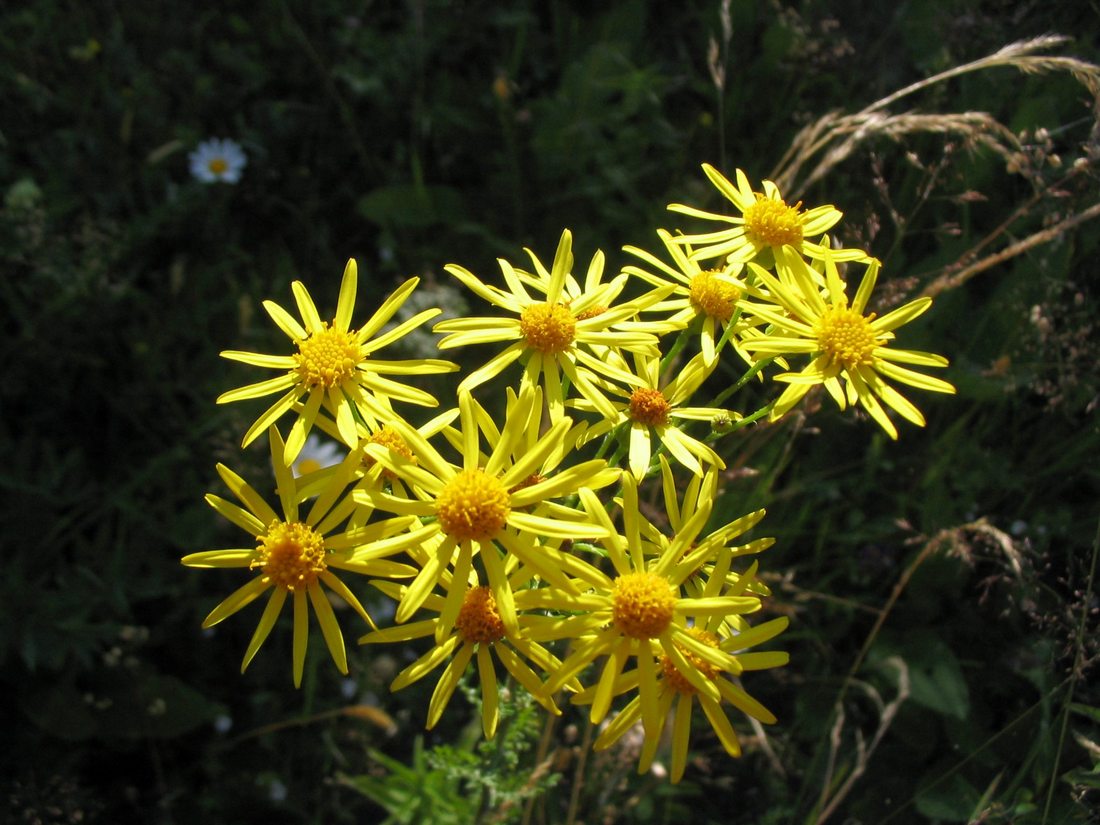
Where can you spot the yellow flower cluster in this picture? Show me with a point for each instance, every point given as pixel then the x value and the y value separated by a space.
pixel 512 531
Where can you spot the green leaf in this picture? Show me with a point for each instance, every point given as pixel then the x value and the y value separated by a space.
pixel 408 205
pixel 936 679
pixel 60 711
pixel 155 706
pixel 1081 777
pixel 952 800
pixel 1086 711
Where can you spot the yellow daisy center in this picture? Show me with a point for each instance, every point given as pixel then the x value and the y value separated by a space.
pixel 472 505
pixel 771 222
pixel 549 328
pixel 648 407
pixel 387 436
pixel 642 604
pixel 327 358
pixel 846 337
pixel 591 312
pixel 291 554
pixel 217 165
pixel 390 438
pixel 713 296
pixel 478 619
pixel 675 679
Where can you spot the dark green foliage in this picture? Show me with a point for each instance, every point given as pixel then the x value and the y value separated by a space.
pixel 410 135
pixel 479 780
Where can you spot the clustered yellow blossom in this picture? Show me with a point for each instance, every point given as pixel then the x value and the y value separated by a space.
pixel 508 531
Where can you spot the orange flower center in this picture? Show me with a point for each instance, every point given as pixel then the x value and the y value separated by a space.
pixel 648 407
pixel 675 679
pixel 472 505
pixel 642 604
pixel 478 619
pixel 846 337
pixel 772 223
pixel 390 438
pixel 713 296
pixel 549 328
pixel 327 358
pixel 291 555
pixel 217 165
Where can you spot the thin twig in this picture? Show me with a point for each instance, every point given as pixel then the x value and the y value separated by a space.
pixel 956 279
pixel 578 775
pixel 864 752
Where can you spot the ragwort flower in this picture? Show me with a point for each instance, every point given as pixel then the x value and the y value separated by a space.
pixel 635 615
pixel 295 556
pixel 555 337
pixel 654 409
pixel 843 343
pixel 674 689
pixel 485 506
pixel 334 367
pixel 766 224
pixel 709 297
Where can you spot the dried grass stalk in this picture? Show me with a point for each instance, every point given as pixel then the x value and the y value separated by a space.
pixel 834 136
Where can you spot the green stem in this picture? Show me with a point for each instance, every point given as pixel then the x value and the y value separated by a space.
pixel 744 379
pixel 613 435
pixel 677 345
pixel 749 419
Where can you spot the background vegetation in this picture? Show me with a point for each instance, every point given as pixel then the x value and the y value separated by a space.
pixel 940 588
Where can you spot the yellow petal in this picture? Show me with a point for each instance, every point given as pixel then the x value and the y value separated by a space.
pixel 263 629
pixel 345 305
pixel 235 601
pixel 490 714
pixel 330 629
pixel 447 684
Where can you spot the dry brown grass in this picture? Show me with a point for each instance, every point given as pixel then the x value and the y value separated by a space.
pixel 833 138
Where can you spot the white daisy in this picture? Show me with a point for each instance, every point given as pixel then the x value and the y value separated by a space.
pixel 218 159
pixel 317 453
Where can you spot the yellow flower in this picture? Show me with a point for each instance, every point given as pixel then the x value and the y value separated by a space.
pixel 334 367
pixel 637 614
pixel 653 409
pixel 766 224
pixel 711 298
pixel 594 297
pixel 485 505
pixel 477 631
pixel 674 688
pixel 842 341
pixel 554 336
pixel 713 302
pixel 295 556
